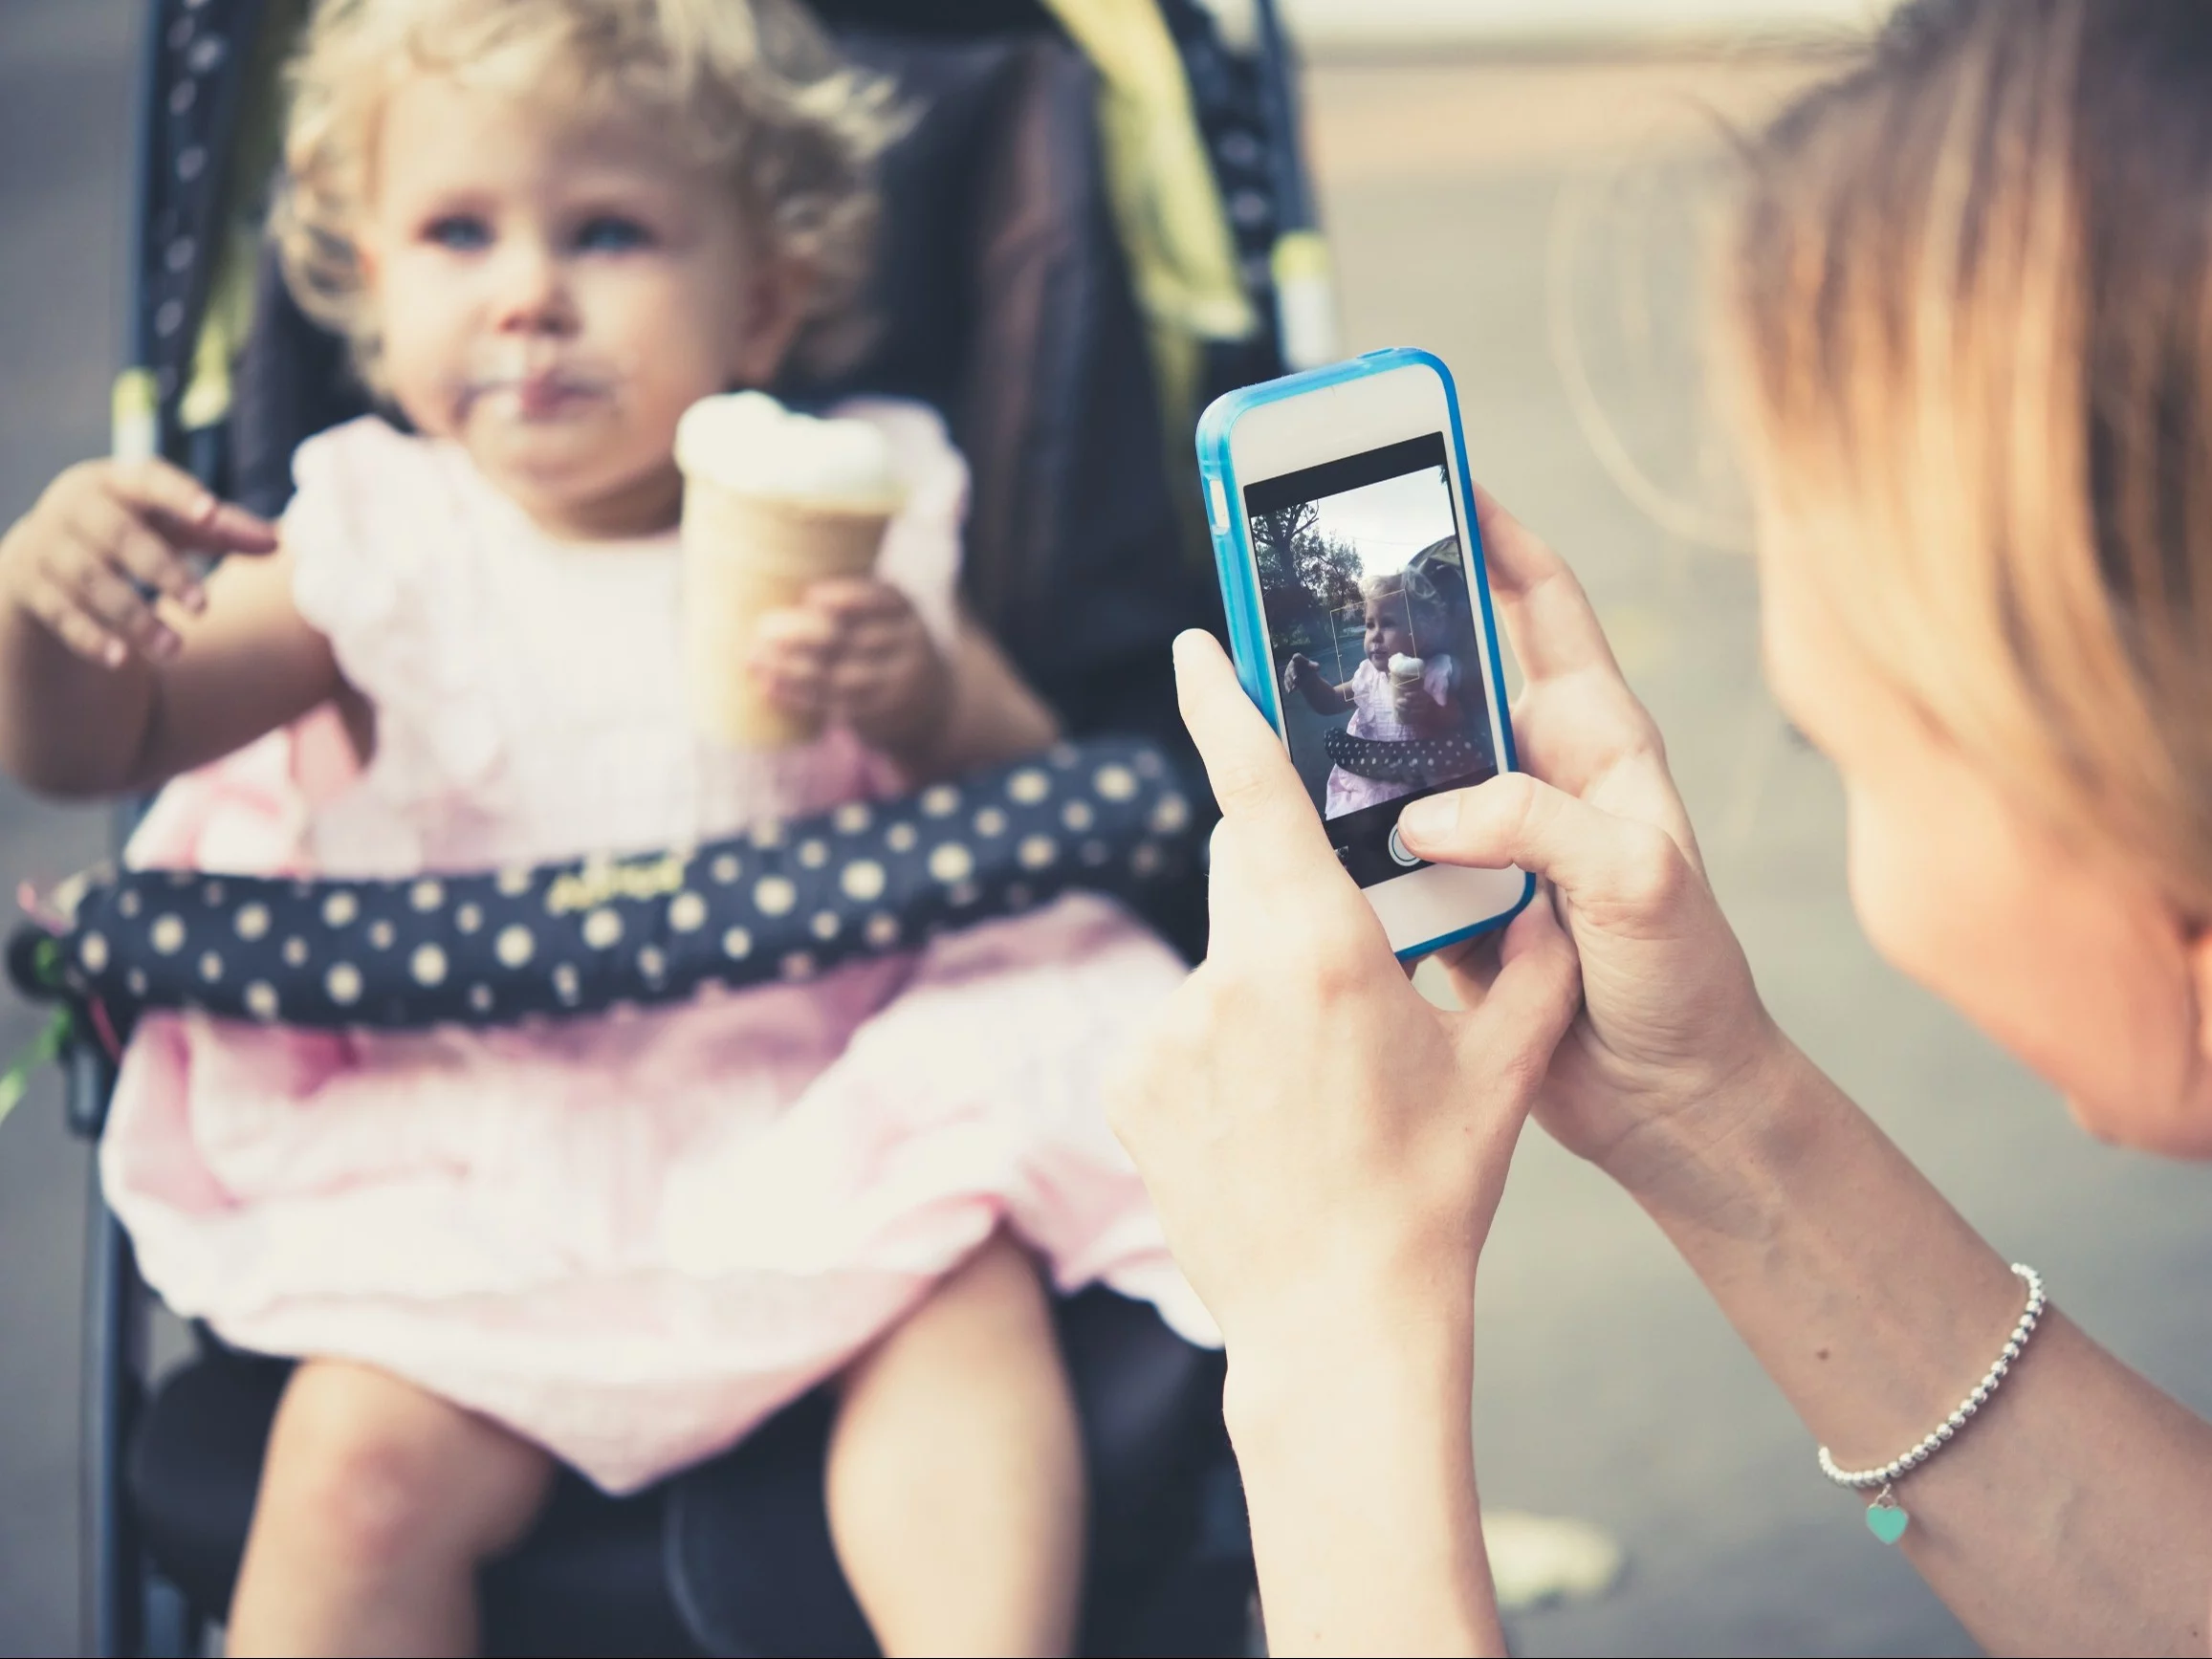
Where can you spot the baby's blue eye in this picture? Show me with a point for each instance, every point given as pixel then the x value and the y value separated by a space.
pixel 610 233
pixel 459 232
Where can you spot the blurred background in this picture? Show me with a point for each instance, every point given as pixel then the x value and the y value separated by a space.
pixel 1523 186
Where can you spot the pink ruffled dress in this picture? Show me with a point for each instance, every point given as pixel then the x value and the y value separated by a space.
pixel 1374 715
pixel 629 1238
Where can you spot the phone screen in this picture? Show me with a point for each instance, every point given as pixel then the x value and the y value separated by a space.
pixel 1375 642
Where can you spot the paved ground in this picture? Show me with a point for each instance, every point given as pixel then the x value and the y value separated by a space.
pixel 1471 206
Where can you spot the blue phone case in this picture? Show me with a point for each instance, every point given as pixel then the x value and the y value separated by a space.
pixel 1232 556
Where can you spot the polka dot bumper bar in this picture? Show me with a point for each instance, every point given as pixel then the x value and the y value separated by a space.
pixel 784 902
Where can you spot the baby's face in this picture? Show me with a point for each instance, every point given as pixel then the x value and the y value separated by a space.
pixel 554 293
pixel 1389 632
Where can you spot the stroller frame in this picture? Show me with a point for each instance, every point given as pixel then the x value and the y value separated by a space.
pixel 130 1605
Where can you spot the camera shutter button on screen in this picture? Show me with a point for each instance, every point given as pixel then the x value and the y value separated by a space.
pixel 1398 850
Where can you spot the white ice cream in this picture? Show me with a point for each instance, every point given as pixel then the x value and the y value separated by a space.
pixel 751 445
pixel 1405 667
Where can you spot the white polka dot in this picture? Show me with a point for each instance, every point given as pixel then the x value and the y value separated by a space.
pixel 881 930
pixel 687 912
pixel 261 1000
pixel 565 984
pixel 901 837
pixel 427 964
pixel 813 854
pixel 952 863
pixel 1096 853
pixel 1037 852
pixel 513 880
pixel 1029 786
pixel 296 953
pixel 480 999
pixel 1078 816
pixel 180 878
pixel 990 821
pixel 1064 754
pixel 167 936
pixel 940 800
pixel 798 965
pixel 339 909
pixel 1146 859
pixel 381 934
pixel 426 894
pixel 651 963
pixel 602 929
pixel 1019 897
pixel 1147 764
pixel 212 893
pixel 852 818
pixel 1171 816
pixel 1115 782
pixel 724 869
pixel 775 896
pixel 343 984
pixel 515 946
pixel 964 892
pixel 767 833
pixel 135 980
pixel 469 918
pixel 864 879
pixel 129 904
pixel 737 943
pixel 92 953
pixel 211 967
pixel 252 922
pixel 824 926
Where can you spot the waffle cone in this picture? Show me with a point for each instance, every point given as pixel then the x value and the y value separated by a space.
pixel 745 556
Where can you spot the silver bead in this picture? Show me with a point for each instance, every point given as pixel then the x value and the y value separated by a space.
pixel 1969 1409
pixel 1945 1432
pixel 2012 1350
pixel 1957 1420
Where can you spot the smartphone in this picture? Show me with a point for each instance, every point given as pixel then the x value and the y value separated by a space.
pixel 1359 615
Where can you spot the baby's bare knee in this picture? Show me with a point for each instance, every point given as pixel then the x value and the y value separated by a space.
pixel 377 1472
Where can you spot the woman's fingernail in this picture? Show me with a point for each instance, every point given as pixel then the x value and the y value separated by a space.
pixel 195 600
pixel 1431 818
pixel 115 653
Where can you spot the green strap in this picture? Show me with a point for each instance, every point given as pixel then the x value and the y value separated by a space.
pixel 41 1051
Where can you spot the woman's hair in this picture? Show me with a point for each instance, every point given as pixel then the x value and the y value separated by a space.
pixel 753 86
pixel 1972 309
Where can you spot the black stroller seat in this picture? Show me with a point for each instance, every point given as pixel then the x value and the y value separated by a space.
pixel 1007 303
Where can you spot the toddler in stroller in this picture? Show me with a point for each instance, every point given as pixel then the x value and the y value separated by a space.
pixel 625 1241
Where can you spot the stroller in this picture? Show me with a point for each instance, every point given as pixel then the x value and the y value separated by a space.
pixel 1067 341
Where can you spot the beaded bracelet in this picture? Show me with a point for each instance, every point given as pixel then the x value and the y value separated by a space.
pixel 1886 1517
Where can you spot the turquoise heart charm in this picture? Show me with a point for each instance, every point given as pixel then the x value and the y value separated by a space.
pixel 1887 1521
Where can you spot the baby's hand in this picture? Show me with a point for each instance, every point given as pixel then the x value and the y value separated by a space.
pixel 1294 671
pixel 106 542
pixel 856 651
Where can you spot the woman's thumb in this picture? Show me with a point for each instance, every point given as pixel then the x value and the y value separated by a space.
pixel 1598 860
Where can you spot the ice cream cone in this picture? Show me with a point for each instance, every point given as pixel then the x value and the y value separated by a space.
pixel 745 556
pixel 1406 689
pixel 773 502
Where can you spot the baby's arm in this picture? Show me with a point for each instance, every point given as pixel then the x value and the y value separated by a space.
pixel 1302 676
pixel 103 691
pixel 858 650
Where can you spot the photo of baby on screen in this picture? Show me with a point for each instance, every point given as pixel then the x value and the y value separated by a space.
pixel 1369 609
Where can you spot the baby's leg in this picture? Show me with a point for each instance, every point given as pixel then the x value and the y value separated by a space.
pixel 378 1502
pixel 956 1494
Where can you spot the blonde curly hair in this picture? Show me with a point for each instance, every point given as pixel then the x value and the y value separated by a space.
pixel 754 87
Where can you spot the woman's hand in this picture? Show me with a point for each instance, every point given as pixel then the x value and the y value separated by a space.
pixel 856 652
pixel 1327 1150
pixel 106 542
pixel 1324 1147
pixel 1673 1028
